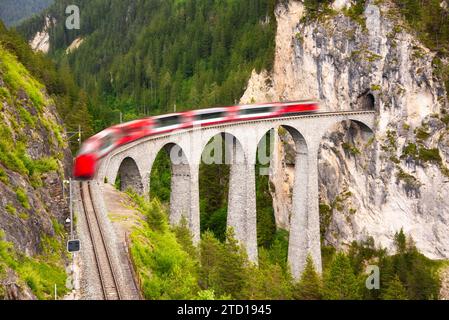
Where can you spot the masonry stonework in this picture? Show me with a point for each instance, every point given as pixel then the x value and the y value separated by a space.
pixel 307 132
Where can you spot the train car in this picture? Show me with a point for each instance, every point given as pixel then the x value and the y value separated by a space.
pixel 94 149
pixel 107 140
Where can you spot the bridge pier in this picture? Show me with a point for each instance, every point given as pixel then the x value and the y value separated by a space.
pixel 242 207
pixel 305 223
pixel 194 218
pixel 180 199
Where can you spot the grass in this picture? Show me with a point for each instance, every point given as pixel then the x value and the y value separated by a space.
pixel 355 12
pixel 22 197
pixel 430 155
pixel 13 148
pixel 10 209
pixel 27 117
pixel 39 273
pixel 3 176
pixel 422 134
pixel 165 270
pixel 17 77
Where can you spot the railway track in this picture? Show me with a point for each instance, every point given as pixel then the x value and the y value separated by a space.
pixel 106 272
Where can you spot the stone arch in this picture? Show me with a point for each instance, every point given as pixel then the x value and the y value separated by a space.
pixel 352 125
pixel 128 176
pixel 180 184
pixel 343 148
pixel 299 246
pixel 226 149
pixel 291 168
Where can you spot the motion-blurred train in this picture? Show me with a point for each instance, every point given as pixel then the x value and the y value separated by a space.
pixel 107 140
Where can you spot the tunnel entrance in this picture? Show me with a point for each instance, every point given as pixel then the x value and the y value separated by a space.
pixel 367 101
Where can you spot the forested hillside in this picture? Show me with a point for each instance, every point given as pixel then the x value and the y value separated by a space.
pixel 143 57
pixel 13 12
pixel 171 267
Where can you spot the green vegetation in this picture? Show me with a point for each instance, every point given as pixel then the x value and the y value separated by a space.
pixel 10 209
pixel 161 177
pixel 422 134
pixel 351 149
pixel 3 176
pixel 355 12
pixel 422 154
pixel 41 273
pixel 144 57
pixel 171 267
pixel 34 72
pixel 325 218
pixel 24 74
pixel 23 198
pixel 340 282
pixel 310 286
pixel 317 9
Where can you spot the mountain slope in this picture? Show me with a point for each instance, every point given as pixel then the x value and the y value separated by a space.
pixel 34 160
pixel 146 56
pixel 13 12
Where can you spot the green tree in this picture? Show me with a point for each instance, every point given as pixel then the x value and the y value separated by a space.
pixel 340 282
pixel 229 277
pixel 309 286
pixel 394 290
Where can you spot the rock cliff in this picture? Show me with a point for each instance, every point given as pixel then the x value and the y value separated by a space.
pixel 34 160
pixel 399 178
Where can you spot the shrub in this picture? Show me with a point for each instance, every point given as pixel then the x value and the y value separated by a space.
pixel 430 155
pixel 22 197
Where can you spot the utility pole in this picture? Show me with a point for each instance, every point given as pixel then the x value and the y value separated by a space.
pixel 79 135
pixel 69 182
pixel 71 209
pixel 121 117
pixel 174 108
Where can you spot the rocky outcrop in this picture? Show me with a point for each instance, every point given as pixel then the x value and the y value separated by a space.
pixel 14 288
pixel 34 161
pixel 41 40
pixel 400 178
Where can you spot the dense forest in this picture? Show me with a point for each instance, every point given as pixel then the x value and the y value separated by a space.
pixel 12 12
pixel 145 57
pixel 171 267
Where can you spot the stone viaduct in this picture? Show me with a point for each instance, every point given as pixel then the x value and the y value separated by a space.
pixel 133 162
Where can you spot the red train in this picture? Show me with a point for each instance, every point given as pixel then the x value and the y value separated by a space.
pixel 107 140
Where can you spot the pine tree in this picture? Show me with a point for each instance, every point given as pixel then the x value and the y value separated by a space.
pixel 394 290
pixel 340 282
pixel 230 274
pixel 400 241
pixel 210 249
pixel 309 286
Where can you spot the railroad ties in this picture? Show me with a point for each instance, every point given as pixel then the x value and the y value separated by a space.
pixel 106 273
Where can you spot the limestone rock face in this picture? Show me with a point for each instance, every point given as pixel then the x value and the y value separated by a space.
pixel 41 40
pixel 369 186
